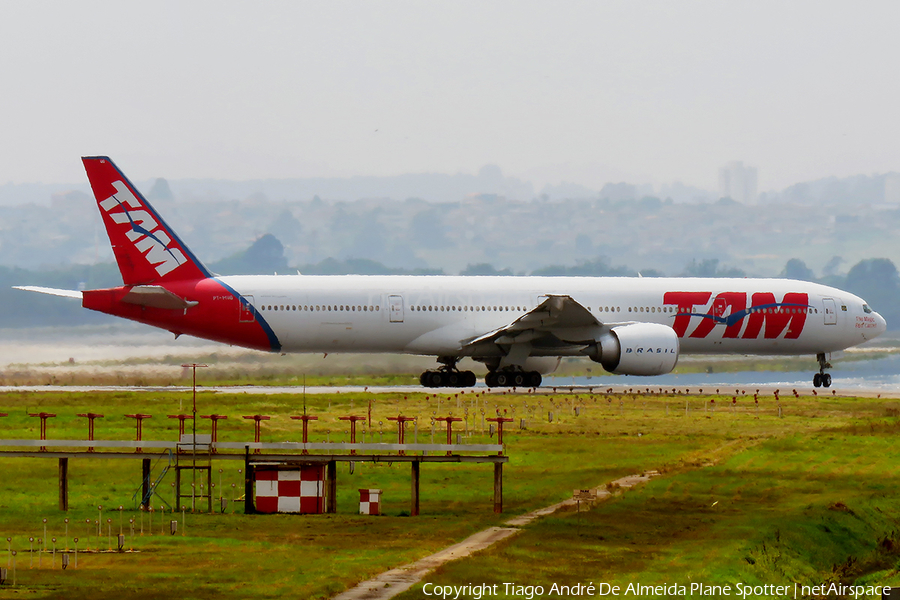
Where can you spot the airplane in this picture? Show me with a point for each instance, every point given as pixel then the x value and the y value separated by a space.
pixel 518 327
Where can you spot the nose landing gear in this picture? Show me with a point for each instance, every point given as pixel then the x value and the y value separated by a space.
pixel 822 379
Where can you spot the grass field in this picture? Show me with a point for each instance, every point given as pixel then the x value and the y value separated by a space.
pixel 744 495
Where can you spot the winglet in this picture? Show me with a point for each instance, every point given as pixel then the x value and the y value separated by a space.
pixel 147 250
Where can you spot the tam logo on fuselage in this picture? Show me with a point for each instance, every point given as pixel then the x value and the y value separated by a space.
pixel 763 315
pixel 144 232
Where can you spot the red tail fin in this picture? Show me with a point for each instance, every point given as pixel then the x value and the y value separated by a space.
pixel 146 249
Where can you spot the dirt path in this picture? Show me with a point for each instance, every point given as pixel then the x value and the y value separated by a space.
pixel 393 582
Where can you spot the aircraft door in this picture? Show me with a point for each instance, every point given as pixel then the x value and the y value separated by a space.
pixel 830 311
pixel 719 306
pixel 246 315
pixel 395 304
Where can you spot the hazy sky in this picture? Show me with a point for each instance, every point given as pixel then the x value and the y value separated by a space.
pixel 581 91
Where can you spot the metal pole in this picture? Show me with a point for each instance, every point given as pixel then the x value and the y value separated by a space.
pixel 331 493
pixel 193 367
pixel 498 487
pixel 194 437
pixel 145 478
pixel 249 476
pixel 415 473
pixel 64 484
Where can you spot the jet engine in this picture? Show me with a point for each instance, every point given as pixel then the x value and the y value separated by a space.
pixel 636 349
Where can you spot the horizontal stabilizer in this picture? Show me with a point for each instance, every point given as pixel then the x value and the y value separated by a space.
pixel 157 297
pixel 52 291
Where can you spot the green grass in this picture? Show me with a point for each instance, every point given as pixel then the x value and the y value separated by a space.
pixel 804 508
pixel 744 495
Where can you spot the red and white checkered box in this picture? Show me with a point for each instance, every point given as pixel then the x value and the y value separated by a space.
pixel 291 490
pixel 370 502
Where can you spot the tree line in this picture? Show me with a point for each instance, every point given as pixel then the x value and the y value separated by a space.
pixel 875 279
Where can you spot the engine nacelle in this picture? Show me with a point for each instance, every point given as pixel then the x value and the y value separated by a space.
pixel 637 349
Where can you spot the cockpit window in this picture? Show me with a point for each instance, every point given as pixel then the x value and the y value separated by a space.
pixel 866 309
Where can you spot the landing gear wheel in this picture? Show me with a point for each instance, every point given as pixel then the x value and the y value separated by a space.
pixel 512 379
pixel 490 379
pixel 447 375
pixel 434 379
pixel 822 379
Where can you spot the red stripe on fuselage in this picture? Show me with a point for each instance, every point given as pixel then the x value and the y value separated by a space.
pixel 217 316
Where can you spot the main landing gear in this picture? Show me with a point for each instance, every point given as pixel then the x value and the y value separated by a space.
pixel 822 379
pixel 531 379
pixel 447 375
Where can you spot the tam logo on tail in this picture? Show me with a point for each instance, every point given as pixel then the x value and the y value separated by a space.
pixel 145 233
pixel 147 250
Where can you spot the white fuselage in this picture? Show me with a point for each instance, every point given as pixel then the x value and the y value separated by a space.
pixel 437 315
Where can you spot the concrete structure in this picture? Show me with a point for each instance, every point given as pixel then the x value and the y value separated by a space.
pixel 738 182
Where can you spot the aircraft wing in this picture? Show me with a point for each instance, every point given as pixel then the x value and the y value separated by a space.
pixel 556 322
pixel 51 291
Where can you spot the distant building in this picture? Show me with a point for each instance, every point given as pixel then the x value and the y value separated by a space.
pixel 892 188
pixel 738 182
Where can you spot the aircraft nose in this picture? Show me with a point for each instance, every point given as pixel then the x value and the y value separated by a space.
pixel 881 324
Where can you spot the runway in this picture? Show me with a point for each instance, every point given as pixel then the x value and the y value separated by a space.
pixel 599 389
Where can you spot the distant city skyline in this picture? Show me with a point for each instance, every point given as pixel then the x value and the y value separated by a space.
pixel 736 181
